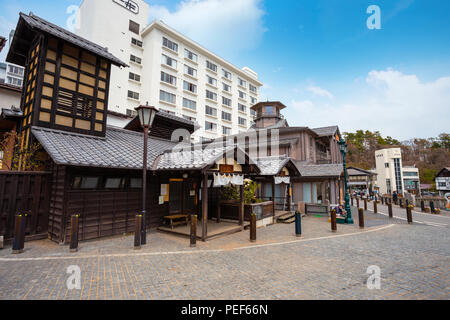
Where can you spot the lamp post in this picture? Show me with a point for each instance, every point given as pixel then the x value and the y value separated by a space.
pixel 146 117
pixel 343 147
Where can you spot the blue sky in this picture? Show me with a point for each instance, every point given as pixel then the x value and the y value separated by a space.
pixel 319 57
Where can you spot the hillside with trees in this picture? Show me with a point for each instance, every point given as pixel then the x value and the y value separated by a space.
pixel 429 155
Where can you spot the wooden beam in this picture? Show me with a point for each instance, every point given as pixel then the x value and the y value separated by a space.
pixel 205 207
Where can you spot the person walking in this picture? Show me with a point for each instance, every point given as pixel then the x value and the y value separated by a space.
pixel 395 197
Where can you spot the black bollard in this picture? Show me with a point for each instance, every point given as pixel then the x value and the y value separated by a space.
pixel 361 218
pixel 382 200
pixel 193 231
pixel 19 234
pixel 352 201
pixel 422 205
pixel 333 221
pixel 138 233
pixel 74 227
pixel 253 228
pixel 298 224
pixel 432 208
pixel 409 214
pixel 375 207
pixel 400 202
pixel 357 202
pixel 390 209
pixel 365 204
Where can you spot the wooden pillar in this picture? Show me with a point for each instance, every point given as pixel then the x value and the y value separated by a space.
pixel 205 207
pixel 273 198
pixel 219 207
pixel 241 206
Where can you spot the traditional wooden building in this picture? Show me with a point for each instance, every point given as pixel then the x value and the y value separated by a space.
pixel 94 170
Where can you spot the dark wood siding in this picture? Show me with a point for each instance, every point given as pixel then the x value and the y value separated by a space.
pixel 24 192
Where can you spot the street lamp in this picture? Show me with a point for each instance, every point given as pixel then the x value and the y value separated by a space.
pixel 343 147
pixel 146 117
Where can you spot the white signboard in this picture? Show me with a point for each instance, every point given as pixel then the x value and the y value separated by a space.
pixel 129 5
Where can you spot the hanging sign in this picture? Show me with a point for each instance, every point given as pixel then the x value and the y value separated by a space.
pixel 226 168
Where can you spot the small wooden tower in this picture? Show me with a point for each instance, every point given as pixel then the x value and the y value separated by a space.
pixel 66 79
pixel 268 113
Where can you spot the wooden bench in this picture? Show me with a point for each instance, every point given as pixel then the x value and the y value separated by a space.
pixel 177 220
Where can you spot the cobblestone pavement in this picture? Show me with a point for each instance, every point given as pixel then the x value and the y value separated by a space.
pixel 414 262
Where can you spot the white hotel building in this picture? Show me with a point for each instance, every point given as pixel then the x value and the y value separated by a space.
pixel 392 175
pixel 168 70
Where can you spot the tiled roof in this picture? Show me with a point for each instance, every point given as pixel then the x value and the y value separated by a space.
pixel 322 170
pixel 271 166
pixel 36 22
pixel 196 157
pixel 326 131
pixel 120 149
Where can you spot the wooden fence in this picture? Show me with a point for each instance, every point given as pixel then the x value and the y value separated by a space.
pixel 24 192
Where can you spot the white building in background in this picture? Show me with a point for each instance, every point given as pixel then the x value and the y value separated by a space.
pixel 168 70
pixel 392 176
pixel 11 74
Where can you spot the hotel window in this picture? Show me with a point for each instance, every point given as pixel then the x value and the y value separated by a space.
pixel 85 182
pixel 167 97
pixel 226 116
pixel 16 70
pixel 242 121
pixel 211 111
pixel 226 87
pixel 190 71
pixel 211 66
pixel 135 183
pixel 170 44
pixel 133 95
pixel 211 81
pixel 189 87
pixel 226 131
pixel 114 183
pixel 136 42
pixel 242 83
pixel 135 59
pixel 209 126
pixel 242 95
pixel 253 100
pixel 189 104
pixel 226 74
pixel 134 76
pixel 134 27
pixel 167 78
pixel 169 61
pixel 242 107
pixel 190 55
pixel 252 112
pixel 253 88
pixel 211 95
pixel 226 101
pixel 131 113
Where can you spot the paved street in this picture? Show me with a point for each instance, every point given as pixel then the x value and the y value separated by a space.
pixel 414 262
pixel 442 220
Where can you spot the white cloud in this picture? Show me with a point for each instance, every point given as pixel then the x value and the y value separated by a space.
pixel 393 103
pixel 225 26
pixel 318 91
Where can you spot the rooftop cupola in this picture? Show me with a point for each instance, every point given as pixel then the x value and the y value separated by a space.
pixel 268 113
